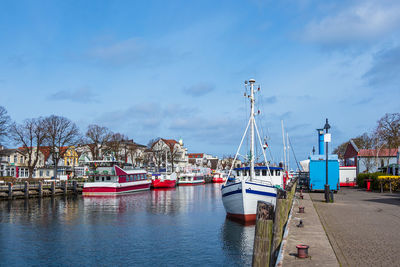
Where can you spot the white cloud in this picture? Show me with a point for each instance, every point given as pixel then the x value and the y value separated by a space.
pixel 364 22
pixel 80 95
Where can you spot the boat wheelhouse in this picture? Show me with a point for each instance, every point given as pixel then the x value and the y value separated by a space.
pixel 110 179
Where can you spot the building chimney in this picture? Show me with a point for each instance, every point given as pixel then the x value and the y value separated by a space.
pixel 320 141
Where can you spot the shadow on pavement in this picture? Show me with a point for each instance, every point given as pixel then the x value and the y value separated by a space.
pixel 391 201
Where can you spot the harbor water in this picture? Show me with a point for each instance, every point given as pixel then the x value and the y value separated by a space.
pixel 183 226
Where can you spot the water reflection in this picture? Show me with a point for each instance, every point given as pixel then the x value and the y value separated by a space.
pixel 238 239
pixel 185 225
pixel 163 201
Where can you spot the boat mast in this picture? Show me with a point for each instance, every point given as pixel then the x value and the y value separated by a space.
pixel 252 176
pixel 284 146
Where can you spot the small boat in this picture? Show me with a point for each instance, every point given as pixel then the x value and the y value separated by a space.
pixel 251 183
pixel 110 179
pixel 191 179
pixel 163 180
pixel 219 177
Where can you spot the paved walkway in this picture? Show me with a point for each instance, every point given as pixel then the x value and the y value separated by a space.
pixel 312 234
pixel 363 227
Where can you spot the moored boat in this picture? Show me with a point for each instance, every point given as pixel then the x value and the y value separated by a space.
pixel 163 180
pixel 110 179
pixel 219 177
pixel 251 184
pixel 191 179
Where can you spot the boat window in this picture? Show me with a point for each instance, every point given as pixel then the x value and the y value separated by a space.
pixel 102 178
pixel 97 178
pixel 278 172
pixel 264 172
pixel 135 177
pixel 108 178
pixel 257 172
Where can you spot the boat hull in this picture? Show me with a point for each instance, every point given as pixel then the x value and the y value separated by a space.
pixel 187 183
pixel 218 180
pixel 240 199
pixel 104 189
pixel 158 183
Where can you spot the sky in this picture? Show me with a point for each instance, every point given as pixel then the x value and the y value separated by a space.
pixel 176 69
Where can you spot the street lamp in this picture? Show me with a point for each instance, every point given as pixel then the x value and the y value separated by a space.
pixel 56 153
pixel 327 140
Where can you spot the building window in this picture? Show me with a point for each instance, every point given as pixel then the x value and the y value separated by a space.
pixel 15 158
pixel 47 173
pixel 41 173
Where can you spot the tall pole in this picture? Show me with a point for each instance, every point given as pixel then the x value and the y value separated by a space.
pixel 252 81
pixel 284 146
pixel 327 189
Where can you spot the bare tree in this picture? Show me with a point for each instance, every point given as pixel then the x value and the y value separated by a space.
pixel 30 135
pixel 115 144
pixel 366 141
pixel 132 150
pixel 173 152
pixel 60 132
pixel 4 123
pixel 388 130
pixel 157 154
pixel 97 137
pixel 340 150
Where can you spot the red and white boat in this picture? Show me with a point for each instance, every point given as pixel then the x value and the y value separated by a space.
pixel 219 177
pixel 115 181
pixel 163 180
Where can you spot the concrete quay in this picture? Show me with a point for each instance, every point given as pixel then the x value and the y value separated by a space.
pixel 312 234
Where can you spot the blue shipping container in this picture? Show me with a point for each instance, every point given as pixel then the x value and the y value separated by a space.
pixel 318 172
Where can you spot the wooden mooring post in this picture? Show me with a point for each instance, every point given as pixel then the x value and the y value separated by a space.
pixel 281 211
pixel 40 189
pixel 53 188
pixel 26 189
pixel 65 188
pixel 75 186
pixel 263 234
pixel 10 190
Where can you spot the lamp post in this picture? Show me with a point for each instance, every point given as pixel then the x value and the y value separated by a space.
pixel 56 153
pixel 327 140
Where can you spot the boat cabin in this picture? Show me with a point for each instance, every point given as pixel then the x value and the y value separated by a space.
pixel 261 173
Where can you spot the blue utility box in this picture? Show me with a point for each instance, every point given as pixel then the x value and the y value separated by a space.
pixel 318 172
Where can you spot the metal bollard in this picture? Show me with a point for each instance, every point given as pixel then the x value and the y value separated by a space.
pixel 302 251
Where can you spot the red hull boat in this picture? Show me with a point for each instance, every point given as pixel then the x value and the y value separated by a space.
pixel 159 183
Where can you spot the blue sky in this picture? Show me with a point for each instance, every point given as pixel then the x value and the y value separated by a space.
pixel 175 69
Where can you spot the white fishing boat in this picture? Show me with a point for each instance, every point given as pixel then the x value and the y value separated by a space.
pixel 251 183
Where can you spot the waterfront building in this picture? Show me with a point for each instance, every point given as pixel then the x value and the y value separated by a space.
pixel 369 160
pixel 204 160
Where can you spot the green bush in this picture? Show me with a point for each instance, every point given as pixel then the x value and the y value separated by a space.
pixel 361 177
pixel 375 185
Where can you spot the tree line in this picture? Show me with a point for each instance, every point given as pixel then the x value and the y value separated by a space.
pixel 57 132
pixel 385 135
